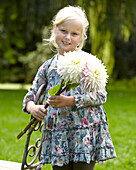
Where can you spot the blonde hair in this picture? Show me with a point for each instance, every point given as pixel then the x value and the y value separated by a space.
pixel 70 13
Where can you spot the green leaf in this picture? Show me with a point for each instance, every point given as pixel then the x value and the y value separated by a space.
pixel 72 86
pixel 69 82
pixel 54 90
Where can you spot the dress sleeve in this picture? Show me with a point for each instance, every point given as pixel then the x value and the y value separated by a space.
pixel 89 99
pixel 40 78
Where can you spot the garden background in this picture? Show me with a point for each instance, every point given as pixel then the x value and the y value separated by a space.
pixel 111 37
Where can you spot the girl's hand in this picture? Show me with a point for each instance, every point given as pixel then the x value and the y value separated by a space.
pixel 37 111
pixel 58 101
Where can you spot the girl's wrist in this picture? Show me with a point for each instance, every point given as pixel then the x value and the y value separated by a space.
pixel 70 101
pixel 29 106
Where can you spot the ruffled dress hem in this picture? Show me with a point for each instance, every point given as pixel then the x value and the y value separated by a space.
pixel 79 157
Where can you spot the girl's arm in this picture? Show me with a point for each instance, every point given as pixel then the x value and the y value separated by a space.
pixel 78 100
pixel 90 99
pixel 39 79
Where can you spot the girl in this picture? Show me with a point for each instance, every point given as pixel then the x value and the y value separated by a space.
pixel 76 133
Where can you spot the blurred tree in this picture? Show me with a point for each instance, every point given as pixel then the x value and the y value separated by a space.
pixel 112 35
pixel 112 22
pixel 125 57
pixel 20 29
pixel 37 57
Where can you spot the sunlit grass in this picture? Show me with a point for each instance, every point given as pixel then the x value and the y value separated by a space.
pixel 121 112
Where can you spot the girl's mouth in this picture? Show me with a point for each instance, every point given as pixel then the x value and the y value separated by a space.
pixel 66 43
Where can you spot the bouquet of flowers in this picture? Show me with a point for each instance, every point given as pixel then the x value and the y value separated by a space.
pixel 83 68
pixel 76 68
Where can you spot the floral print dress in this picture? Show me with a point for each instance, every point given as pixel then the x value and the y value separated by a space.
pixel 76 133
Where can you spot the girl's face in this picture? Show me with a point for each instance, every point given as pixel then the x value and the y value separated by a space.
pixel 68 35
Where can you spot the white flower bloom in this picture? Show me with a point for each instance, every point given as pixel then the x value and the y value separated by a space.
pixel 82 67
pixel 70 66
pixel 94 74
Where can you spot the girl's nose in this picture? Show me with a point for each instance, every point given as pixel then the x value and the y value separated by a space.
pixel 67 36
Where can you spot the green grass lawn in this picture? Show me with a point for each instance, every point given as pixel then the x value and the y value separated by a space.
pixel 121 113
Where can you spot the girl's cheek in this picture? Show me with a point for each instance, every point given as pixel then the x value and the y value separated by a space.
pixel 76 41
pixel 60 33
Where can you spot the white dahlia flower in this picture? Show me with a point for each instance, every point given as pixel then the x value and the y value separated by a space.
pixel 84 68
pixel 70 66
pixel 94 74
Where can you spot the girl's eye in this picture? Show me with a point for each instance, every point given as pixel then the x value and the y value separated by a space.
pixel 63 31
pixel 75 33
